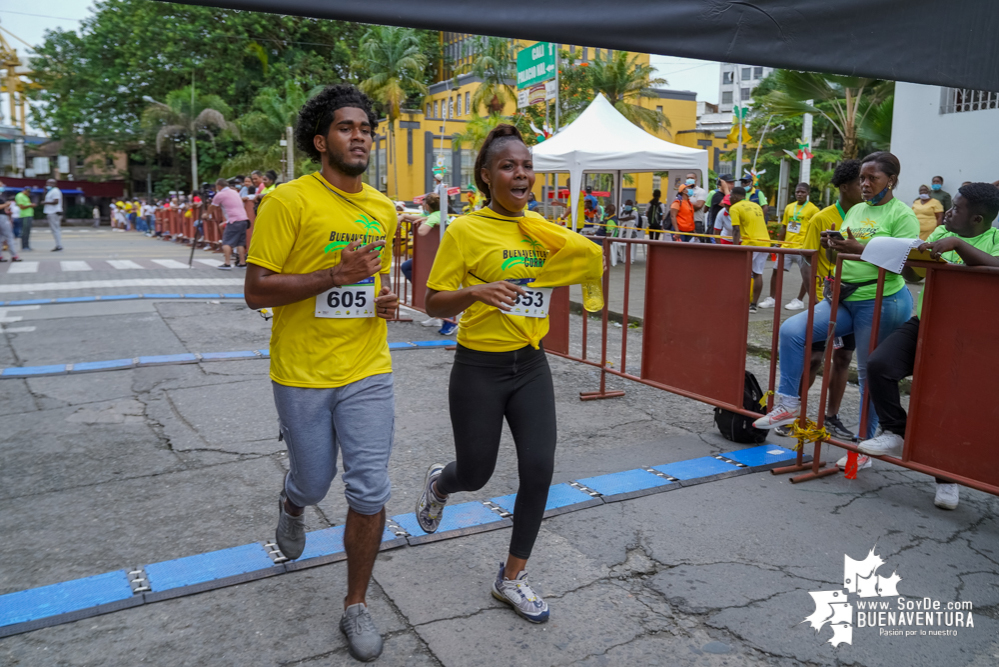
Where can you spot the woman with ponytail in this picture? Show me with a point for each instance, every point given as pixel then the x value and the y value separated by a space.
pixel 498 265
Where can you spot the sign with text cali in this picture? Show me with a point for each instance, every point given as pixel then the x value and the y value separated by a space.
pixel 535 64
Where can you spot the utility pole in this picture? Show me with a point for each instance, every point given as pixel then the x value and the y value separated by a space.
pixel 194 146
pixel 806 162
pixel 290 162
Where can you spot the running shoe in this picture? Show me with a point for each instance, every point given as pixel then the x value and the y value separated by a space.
pixel 947 496
pixel 432 322
pixel 784 431
pixel 863 461
pixel 58 248
pixel 15 259
pixel 363 640
pixel 886 444
pixel 835 426
pixel 448 329
pixel 224 267
pixel 795 304
pixel 779 416
pixel 752 307
pixel 290 535
pixel 768 302
pixel 430 507
pixel 518 594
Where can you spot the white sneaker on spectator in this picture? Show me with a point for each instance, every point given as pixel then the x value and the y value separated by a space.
pixel 432 322
pixel 886 444
pixel 863 461
pixel 767 302
pixel 795 304
pixel 947 496
pixel 779 416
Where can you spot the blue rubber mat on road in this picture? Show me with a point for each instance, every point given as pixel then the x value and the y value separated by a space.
pixel 560 496
pixel 625 482
pixel 761 456
pixel 167 359
pixel 113 364
pixel 219 356
pixel 198 569
pixel 433 343
pixel 456 517
pixel 74 299
pixel 27 371
pixel 326 546
pixel 119 297
pixel 705 466
pixel 65 597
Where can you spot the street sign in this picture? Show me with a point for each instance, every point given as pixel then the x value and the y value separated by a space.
pixel 535 64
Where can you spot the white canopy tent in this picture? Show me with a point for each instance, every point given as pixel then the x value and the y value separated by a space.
pixel 601 140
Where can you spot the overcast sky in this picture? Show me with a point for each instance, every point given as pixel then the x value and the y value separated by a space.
pixel 31 20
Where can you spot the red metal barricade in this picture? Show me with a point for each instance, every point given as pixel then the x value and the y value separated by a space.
pixel 424 251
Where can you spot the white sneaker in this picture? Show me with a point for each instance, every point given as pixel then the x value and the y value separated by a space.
pixel 947 496
pixel 795 304
pixel 863 461
pixel 432 322
pixel 779 416
pixel 767 302
pixel 886 444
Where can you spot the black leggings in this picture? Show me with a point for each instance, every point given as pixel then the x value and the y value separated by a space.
pixel 485 387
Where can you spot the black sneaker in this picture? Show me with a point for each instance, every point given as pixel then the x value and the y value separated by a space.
pixel 839 429
pixel 784 431
pixel 752 307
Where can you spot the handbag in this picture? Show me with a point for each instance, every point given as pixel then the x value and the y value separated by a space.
pixel 845 289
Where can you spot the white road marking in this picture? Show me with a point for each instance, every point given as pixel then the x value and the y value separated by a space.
pixel 10 320
pixel 75 266
pixel 158 284
pixel 124 264
pixel 18 330
pixel 23 267
pixel 210 262
pixel 3 311
pixel 170 263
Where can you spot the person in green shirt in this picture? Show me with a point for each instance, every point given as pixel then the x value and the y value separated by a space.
pixel 966 237
pixel 880 215
pixel 941 195
pixel 22 225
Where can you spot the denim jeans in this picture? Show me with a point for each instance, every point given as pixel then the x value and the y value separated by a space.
pixel 853 317
pixel 407 269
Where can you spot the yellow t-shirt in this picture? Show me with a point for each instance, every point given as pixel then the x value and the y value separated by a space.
pixel 926 214
pixel 486 247
pixel 796 216
pixel 748 217
pixel 828 219
pixel 300 228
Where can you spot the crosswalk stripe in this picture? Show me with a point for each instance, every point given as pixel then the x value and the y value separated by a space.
pixel 156 283
pixel 23 267
pixel 75 266
pixel 210 262
pixel 170 263
pixel 124 264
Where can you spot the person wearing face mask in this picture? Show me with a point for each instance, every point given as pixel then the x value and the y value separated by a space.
pixel 628 219
pixel 698 198
pixel 882 215
pixel 941 195
pixel 929 211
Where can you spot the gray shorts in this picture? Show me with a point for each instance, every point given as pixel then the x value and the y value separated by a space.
pixel 357 419
pixel 234 234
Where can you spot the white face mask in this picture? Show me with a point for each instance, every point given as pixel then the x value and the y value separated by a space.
pixel 924 196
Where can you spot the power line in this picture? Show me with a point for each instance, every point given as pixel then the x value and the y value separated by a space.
pixel 41 16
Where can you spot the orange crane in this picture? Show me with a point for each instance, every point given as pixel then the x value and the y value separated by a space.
pixel 13 82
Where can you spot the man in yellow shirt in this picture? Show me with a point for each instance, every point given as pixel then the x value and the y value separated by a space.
pixel 749 227
pixel 796 217
pixel 318 258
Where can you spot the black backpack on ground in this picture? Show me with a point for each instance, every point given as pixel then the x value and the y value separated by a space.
pixel 739 428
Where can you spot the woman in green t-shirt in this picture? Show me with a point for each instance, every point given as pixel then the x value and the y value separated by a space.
pixel 881 215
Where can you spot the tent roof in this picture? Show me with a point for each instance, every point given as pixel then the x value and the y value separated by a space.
pixel 873 38
pixel 603 140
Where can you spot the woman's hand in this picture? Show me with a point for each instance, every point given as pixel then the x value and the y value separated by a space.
pixel 499 294
pixel 849 245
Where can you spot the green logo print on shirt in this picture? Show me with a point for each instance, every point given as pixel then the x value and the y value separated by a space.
pixel 534 258
pixel 372 231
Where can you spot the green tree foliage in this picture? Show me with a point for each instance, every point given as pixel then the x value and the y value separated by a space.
pixel 496 64
pixel 624 82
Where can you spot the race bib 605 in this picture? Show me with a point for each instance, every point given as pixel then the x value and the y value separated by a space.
pixel 357 300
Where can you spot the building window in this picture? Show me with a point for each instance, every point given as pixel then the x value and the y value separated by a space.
pixel 450 107
pixel 596 54
pixel 586 54
pixel 657 182
pixel 757 72
pixel 727 97
pixel 468 104
pixel 458 110
pixel 659 109
pixel 428 110
pixel 436 110
pixel 746 94
pixel 746 71
pixel 610 54
pixel 728 77
pixel 80 161
pixel 957 100
pixel 109 161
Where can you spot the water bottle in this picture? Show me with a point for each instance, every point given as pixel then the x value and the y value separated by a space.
pixel 593 296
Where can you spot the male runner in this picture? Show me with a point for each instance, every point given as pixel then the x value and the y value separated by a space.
pixel 318 258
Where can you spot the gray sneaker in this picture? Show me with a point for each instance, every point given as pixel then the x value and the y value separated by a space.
pixel 518 594
pixel 835 426
pixel 363 640
pixel 430 508
pixel 290 531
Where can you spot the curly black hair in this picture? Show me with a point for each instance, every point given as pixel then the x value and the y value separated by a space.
pixel 846 171
pixel 982 198
pixel 316 115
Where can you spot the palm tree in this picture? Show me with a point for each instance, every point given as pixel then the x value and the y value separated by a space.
pixel 876 128
pixel 187 114
pixel 624 82
pixel 496 64
pixel 844 101
pixel 394 63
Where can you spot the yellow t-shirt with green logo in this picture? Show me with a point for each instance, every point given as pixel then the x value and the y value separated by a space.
pixel 486 247
pixel 796 217
pixel 748 217
pixel 827 220
pixel 867 222
pixel 300 228
pixel 987 242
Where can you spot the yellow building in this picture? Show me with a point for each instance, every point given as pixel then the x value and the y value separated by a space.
pixel 424 136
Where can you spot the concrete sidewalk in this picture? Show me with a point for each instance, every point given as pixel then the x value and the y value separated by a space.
pixel 116 469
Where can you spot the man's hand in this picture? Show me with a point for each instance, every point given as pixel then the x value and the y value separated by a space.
pixel 386 304
pixel 849 245
pixel 357 263
pixel 500 294
pixel 938 248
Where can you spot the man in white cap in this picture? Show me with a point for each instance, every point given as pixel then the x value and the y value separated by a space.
pixel 53 211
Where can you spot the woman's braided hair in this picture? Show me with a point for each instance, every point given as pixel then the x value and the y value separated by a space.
pixel 499 135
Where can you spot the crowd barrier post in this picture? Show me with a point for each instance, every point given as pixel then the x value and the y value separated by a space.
pixel 400 252
pixel 602 392
pixel 424 251
pixel 557 339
